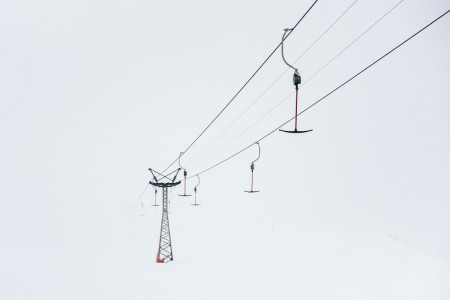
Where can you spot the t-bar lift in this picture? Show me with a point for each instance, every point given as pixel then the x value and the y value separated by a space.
pixel 252 168
pixel 297 80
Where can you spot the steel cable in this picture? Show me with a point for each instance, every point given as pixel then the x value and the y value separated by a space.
pixel 245 84
pixel 328 94
pixel 305 83
pixel 272 84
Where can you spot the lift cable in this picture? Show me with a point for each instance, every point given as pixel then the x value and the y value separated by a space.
pixel 162 175
pixel 304 84
pixel 245 84
pixel 355 40
pixel 272 84
pixel 331 92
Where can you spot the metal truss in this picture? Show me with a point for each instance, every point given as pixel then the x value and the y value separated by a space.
pixel 165 253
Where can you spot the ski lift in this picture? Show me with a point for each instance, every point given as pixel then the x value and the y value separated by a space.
pixel 185 174
pixel 142 209
pixel 296 80
pixel 195 192
pixel 252 167
pixel 156 192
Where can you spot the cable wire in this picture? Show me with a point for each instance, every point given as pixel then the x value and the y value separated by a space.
pixel 305 83
pixel 272 84
pixel 245 84
pixel 328 94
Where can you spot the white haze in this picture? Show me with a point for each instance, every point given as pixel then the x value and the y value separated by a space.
pixel 95 92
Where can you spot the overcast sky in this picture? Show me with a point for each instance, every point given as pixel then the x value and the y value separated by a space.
pixel 93 93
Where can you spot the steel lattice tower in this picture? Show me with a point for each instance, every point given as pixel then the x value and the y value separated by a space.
pixel 165 253
pixel 165 244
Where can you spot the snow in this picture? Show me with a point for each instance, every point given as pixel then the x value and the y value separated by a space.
pixel 95 92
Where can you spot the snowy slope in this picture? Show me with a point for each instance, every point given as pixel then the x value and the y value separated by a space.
pixel 93 93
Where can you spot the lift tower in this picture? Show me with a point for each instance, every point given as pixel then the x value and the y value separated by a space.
pixel 165 253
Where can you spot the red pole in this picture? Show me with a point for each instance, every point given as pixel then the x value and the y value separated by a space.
pixel 296 106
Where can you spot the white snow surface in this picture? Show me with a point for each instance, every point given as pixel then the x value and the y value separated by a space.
pixel 92 93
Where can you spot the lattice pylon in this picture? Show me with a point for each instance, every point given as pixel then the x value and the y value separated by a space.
pixel 165 253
